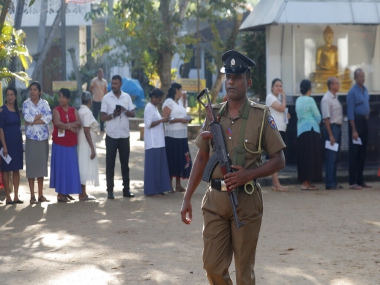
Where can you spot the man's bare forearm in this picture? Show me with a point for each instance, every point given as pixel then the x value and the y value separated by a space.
pixel 196 173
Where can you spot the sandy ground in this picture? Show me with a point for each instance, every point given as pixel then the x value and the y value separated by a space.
pixel 321 237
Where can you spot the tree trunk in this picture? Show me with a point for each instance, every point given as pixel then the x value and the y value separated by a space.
pixel 41 32
pixel 17 26
pixel 49 41
pixel 166 54
pixel 19 13
pixel 77 75
pixel 231 42
pixel 164 70
pixel 164 66
pixel 3 14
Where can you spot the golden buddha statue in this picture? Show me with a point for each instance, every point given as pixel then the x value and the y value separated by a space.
pixel 327 66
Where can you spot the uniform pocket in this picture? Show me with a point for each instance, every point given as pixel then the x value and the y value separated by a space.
pixel 205 197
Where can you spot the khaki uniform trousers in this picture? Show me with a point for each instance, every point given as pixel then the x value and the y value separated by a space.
pixel 222 239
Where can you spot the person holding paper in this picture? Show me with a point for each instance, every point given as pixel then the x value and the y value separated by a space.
pixel 11 144
pixel 332 115
pixel 276 101
pixel 156 170
pixel 177 147
pixel 309 158
pixel 64 168
pixel 358 113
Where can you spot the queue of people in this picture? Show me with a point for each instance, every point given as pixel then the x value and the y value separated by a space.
pixel 170 138
pixel 309 148
pixel 65 175
pixel 74 163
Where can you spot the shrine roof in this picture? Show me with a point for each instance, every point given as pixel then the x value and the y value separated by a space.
pixel 326 12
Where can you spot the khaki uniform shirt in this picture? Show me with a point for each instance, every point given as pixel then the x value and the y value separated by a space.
pixel 99 86
pixel 271 138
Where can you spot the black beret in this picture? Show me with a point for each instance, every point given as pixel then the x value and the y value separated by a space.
pixel 236 62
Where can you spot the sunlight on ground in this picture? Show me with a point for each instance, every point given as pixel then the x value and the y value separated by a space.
pixel 294 272
pixel 57 240
pixel 342 282
pixel 158 276
pixel 86 274
pixel 103 221
pixel 373 223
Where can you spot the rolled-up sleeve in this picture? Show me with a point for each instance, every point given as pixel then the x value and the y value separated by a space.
pixel 148 116
pixel 26 113
pixel 46 113
pixel 104 105
pixel 325 108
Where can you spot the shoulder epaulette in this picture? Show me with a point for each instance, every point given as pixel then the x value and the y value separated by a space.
pixel 219 105
pixel 257 105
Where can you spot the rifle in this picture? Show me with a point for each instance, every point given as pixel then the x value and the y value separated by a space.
pixel 220 156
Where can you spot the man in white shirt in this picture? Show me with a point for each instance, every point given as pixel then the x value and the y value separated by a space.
pixel 98 88
pixel 332 114
pixel 116 107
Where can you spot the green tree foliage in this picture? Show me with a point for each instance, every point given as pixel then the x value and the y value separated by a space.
pixel 12 45
pixel 254 47
pixel 145 35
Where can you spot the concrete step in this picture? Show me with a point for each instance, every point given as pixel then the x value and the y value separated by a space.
pixel 288 176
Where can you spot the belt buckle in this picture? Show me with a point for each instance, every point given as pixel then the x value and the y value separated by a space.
pixel 223 186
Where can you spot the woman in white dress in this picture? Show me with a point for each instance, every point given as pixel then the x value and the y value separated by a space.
pixel 276 101
pixel 177 147
pixel 88 161
pixel 156 172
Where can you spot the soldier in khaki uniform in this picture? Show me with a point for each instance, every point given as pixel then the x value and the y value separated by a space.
pixel 221 238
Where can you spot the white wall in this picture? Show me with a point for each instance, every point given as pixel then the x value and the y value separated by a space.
pixel 359 46
pixel 72 40
pixel 75 13
pixel 273 51
pixel 279 50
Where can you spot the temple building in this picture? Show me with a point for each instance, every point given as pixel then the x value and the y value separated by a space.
pixel 308 39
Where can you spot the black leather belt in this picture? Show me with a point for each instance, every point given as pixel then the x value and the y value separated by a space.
pixel 218 184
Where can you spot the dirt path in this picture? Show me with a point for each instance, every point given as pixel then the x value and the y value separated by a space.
pixel 321 237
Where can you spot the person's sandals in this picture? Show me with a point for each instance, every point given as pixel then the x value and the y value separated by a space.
pixel 309 188
pixel 180 189
pixel 9 202
pixel 280 188
pixel 33 201
pixel 87 198
pixel 70 197
pixel 355 187
pixel 43 199
pixel 365 185
pixel 18 201
pixel 62 199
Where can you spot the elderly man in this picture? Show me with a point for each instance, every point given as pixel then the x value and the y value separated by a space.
pixel 98 88
pixel 332 114
pixel 237 116
pixel 358 114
